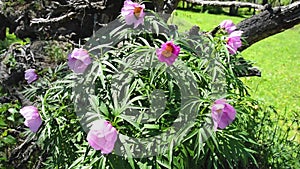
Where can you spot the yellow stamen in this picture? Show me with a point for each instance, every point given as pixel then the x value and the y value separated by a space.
pixel 219 111
pixel 168 51
pixel 137 11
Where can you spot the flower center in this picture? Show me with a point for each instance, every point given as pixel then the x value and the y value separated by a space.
pixel 168 51
pixel 219 108
pixel 137 11
pixel 219 111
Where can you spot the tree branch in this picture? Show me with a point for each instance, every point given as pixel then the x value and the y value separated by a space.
pixel 52 20
pixel 269 22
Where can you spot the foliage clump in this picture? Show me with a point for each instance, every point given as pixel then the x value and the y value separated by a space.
pixel 127 85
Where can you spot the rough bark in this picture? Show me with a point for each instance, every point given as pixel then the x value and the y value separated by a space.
pixel 3 27
pixel 170 6
pixel 269 22
pixel 71 19
pixel 264 2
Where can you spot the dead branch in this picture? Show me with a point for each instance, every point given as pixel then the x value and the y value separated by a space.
pixel 52 20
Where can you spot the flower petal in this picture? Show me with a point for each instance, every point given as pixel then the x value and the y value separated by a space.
pixel 79 60
pixel 223 114
pixel 33 124
pixel 128 13
pixel 102 136
pixel 32 117
pixel 168 58
pixel 30 75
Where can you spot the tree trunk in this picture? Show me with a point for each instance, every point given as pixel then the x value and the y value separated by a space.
pixel 264 2
pixel 292 1
pixel 71 19
pixel 233 10
pixel 4 23
pixel 269 22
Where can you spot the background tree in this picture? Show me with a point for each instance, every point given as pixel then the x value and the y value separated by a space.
pixel 78 19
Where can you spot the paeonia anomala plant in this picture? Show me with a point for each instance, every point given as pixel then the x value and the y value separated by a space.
pixel 139 93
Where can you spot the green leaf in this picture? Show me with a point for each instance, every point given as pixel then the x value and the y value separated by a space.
pixel 155 27
pixel 102 162
pixel 2 123
pixel 136 125
pixel 12 110
pixel 150 126
pixel 4 134
pixel 11 118
pixel 162 163
pixel 104 109
pixel 171 152
pixel 3 159
pixel 130 158
pixel 94 101
pixel 9 140
pixel 76 162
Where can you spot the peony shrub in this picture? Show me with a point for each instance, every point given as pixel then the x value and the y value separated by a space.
pixel 142 95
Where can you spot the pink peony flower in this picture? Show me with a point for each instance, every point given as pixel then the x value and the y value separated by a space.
pixel 31 76
pixel 79 60
pixel 228 25
pixel 32 117
pixel 102 136
pixel 168 52
pixel 222 113
pixel 133 13
pixel 233 41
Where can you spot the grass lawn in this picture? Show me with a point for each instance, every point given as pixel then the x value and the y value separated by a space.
pixel 279 60
pixel 278 57
pixel 186 19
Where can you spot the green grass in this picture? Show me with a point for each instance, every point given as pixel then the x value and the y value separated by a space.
pixel 278 57
pixel 279 60
pixel 10 39
pixel 186 19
